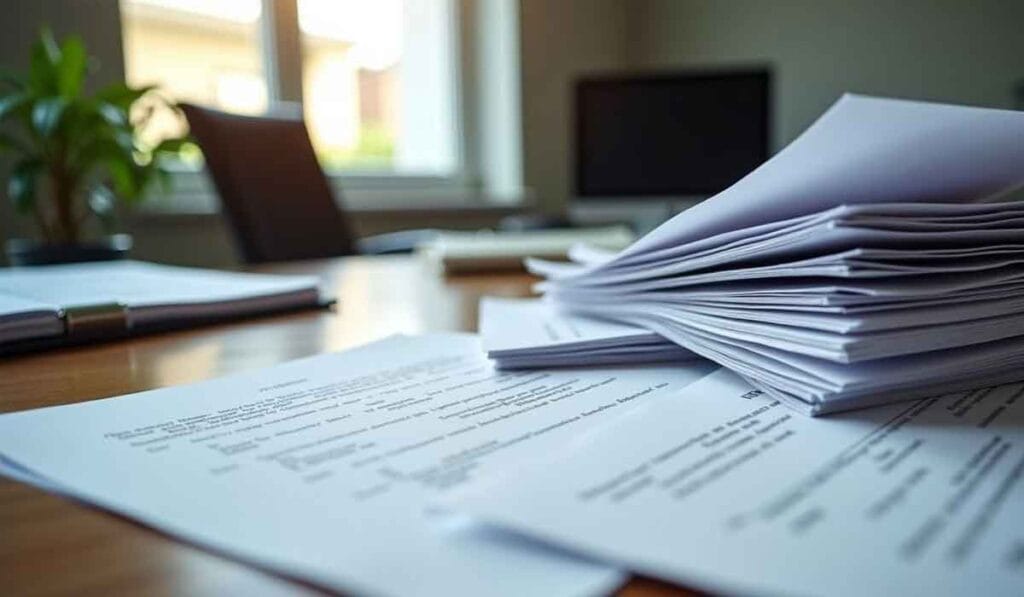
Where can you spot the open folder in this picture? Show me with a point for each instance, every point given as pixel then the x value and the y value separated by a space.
pixel 862 264
pixel 58 305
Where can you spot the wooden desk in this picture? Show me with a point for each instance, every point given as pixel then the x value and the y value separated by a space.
pixel 50 545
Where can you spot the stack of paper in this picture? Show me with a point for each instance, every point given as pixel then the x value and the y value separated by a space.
pixel 854 268
pixel 530 333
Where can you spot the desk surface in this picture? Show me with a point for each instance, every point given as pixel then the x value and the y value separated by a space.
pixel 50 545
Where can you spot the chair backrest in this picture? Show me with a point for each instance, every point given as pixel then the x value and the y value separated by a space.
pixel 272 189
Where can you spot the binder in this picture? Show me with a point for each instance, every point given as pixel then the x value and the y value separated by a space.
pixel 70 305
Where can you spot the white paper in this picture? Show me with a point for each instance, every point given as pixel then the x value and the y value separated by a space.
pixel 816 386
pixel 516 324
pixel 724 490
pixel 321 468
pixel 530 333
pixel 598 357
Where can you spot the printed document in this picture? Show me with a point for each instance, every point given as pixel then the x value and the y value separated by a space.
pixel 322 468
pixel 726 490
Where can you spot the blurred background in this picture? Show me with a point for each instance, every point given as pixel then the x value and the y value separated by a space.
pixel 456 114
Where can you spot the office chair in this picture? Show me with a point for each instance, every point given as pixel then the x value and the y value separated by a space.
pixel 277 200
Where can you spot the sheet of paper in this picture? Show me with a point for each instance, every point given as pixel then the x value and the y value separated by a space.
pixel 805 382
pixel 974 214
pixel 724 490
pixel 837 247
pixel 321 468
pixel 818 318
pixel 515 324
pixel 530 333
pixel 590 359
pixel 16 307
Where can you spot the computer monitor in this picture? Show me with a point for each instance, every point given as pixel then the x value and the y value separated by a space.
pixel 670 135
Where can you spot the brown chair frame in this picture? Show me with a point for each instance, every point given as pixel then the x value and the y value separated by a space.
pixel 277 200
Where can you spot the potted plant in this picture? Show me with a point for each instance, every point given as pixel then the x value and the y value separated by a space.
pixel 74 154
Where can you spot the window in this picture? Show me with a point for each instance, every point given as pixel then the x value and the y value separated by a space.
pixel 377 79
pixel 201 51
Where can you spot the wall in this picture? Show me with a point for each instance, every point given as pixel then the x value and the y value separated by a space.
pixel 560 41
pixel 946 50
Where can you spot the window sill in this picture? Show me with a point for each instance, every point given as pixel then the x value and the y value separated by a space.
pixel 413 208
pixel 194 196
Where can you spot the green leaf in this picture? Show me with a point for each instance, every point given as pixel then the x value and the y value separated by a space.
pixel 10 103
pixel 42 74
pixel 90 153
pixel 71 67
pixel 121 95
pixel 50 46
pixel 120 170
pixel 125 140
pixel 112 113
pixel 21 187
pixel 46 114
pixel 174 145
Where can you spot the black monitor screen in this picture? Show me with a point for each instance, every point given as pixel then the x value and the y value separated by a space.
pixel 670 135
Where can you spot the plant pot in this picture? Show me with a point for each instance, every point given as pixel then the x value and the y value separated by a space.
pixel 31 252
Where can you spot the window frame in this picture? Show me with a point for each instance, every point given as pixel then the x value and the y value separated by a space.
pixel 281 38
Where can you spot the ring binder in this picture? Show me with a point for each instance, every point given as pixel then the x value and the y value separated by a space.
pixel 44 308
pixel 108 320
